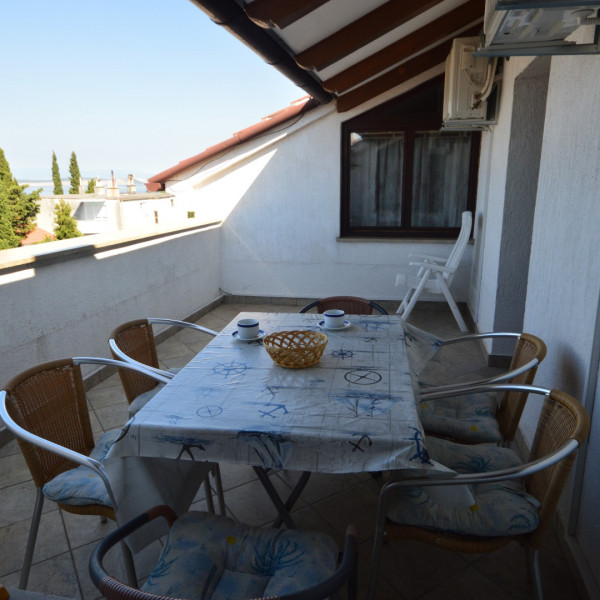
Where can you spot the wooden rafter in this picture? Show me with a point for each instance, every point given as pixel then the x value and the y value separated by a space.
pixel 403 72
pixel 280 13
pixel 452 22
pixel 369 27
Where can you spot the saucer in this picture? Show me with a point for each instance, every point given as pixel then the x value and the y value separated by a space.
pixel 237 338
pixel 346 325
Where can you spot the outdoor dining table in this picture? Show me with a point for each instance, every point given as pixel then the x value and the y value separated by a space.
pixel 354 411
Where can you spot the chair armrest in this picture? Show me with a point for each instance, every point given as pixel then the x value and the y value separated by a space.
pixel 177 323
pixel 467 389
pixel 433 267
pixel 135 365
pixel 427 257
pixel 480 336
pixel 517 472
pixel 534 362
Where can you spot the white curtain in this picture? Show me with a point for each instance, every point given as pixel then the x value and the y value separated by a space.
pixel 376 180
pixel 440 178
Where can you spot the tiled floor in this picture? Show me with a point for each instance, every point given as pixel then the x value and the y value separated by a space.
pixel 409 570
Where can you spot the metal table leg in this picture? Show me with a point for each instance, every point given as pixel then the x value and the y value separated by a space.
pixel 283 508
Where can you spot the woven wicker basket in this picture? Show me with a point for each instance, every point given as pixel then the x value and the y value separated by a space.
pixel 295 349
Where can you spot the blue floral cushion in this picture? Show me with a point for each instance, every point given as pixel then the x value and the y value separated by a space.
pixel 469 418
pixel 212 557
pixel 502 508
pixel 144 398
pixel 81 485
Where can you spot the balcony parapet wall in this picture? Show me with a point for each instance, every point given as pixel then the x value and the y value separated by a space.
pixel 63 298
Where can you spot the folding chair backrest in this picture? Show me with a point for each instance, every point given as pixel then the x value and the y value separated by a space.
pixel 562 418
pixel 49 401
pixel 461 243
pixel 512 404
pixel 136 339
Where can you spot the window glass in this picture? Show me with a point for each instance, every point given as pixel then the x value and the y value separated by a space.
pixel 402 176
pixel 376 161
pixel 440 178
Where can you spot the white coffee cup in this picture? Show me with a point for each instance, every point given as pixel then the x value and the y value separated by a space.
pixel 334 319
pixel 247 329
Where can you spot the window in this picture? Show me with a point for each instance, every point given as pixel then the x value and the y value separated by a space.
pixel 401 175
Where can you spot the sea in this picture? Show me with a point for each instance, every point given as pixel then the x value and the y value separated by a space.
pixel 47 187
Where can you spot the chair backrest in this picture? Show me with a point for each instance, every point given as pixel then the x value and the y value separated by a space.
pixel 460 245
pixel 528 347
pixel 49 401
pixel 562 418
pixel 136 339
pixel 349 304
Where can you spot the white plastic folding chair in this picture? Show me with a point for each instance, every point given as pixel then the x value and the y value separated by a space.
pixel 435 274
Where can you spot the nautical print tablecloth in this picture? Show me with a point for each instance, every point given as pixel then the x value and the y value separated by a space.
pixel 352 412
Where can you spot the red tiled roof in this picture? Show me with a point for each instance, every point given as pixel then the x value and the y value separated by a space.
pixel 36 236
pixel 157 182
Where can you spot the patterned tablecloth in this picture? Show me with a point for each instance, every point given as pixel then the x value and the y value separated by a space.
pixel 352 412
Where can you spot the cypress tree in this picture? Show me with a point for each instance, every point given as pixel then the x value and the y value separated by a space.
pixel 58 187
pixel 91 188
pixel 65 226
pixel 17 208
pixel 75 174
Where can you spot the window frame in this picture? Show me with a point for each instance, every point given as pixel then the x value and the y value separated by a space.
pixel 374 121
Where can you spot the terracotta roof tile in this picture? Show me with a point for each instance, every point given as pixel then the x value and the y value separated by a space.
pixel 298 107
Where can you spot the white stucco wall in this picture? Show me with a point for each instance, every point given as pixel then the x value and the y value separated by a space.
pixel 564 272
pixel 564 277
pixel 490 202
pixel 279 196
pixel 70 298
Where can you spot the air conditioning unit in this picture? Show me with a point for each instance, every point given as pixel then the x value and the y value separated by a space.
pixel 537 27
pixel 467 84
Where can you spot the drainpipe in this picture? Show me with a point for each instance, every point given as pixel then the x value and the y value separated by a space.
pixel 232 17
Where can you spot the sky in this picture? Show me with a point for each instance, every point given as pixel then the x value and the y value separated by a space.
pixel 132 86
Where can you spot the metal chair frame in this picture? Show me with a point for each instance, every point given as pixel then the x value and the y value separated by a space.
pixel 25 436
pixel 548 487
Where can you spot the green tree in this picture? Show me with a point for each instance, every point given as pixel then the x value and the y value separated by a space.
pixel 91 188
pixel 18 209
pixel 58 187
pixel 65 226
pixel 75 174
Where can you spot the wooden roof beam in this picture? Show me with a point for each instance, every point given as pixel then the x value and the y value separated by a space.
pixel 449 24
pixel 407 70
pixel 278 13
pixel 354 36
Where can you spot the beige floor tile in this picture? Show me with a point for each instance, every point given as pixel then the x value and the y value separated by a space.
pixel 17 502
pixel 55 576
pixel 409 570
pixel 13 469
pixel 51 541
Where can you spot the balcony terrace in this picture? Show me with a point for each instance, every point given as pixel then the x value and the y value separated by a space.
pixel 157 282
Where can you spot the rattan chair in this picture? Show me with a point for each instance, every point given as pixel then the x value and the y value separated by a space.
pixel 409 510
pixel 486 418
pixel 208 554
pixel 45 407
pixel 349 304
pixel 134 343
